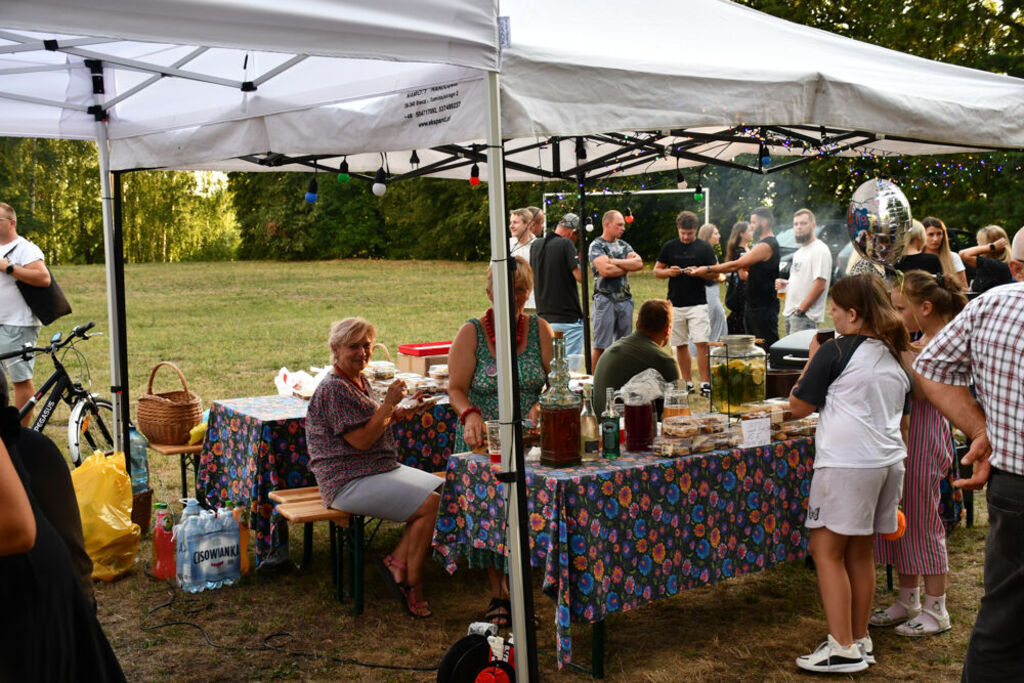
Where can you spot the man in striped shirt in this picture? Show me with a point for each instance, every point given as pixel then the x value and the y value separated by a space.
pixel 985 344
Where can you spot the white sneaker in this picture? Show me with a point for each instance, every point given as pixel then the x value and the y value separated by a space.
pixel 867 648
pixel 833 658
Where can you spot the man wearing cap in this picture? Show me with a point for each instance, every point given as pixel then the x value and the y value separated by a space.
pixel 612 260
pixel 556 270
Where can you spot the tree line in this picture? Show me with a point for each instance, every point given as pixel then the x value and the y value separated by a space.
pixel 182 216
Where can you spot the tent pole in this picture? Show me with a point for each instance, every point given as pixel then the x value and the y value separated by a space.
pixel 512 466
pixel 122 323
pixel 113 295
pixel 584 271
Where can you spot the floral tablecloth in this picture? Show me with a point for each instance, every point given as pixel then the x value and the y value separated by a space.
pixel 257 445
pixel 616 534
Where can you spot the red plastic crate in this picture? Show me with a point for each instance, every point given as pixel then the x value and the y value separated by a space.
pixel 425 348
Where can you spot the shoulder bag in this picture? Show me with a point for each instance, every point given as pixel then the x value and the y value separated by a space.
pixel 47 303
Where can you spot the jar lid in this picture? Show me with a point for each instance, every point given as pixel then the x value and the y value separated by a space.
pixel 737 339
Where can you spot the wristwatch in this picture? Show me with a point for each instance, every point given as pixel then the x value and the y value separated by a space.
pixel 10 269
pixel 992 246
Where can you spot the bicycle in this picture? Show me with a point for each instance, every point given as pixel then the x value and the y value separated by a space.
pixel 91 425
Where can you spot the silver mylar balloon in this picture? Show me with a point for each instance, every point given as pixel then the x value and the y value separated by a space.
pixel 878 221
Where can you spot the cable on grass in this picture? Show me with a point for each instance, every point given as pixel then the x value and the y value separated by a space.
pixel 267 645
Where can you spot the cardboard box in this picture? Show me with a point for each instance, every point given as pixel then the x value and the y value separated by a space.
pixel 419 364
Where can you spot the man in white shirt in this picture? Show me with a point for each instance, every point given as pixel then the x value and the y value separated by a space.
pixel 19 260
pixel 519 222
pixel 809 276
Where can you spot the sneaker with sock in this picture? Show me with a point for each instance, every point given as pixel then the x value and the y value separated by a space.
pixel 867 648
pixel 705 389
pixel 689 387
pixel 833 658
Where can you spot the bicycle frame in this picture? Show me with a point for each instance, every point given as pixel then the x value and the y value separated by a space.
pixel 63 389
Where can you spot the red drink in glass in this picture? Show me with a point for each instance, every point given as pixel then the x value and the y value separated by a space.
pixel 639 427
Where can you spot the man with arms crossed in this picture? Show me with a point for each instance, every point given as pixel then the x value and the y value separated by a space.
pixel 984 343
pixel 556 272
pixel 809 275
pixel 688 296
pixel 19 260
pixel 611 260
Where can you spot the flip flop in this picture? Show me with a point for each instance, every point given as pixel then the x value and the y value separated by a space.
pixel 397 588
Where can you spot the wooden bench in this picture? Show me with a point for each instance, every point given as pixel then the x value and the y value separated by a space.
pixel 185 453
pixel 304 506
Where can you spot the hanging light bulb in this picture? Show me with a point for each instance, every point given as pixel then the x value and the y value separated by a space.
pixel 764 154
pixel 589 227
pixel 629 215
pixel 380 180
pixel 698 192
pixel 343 176
pixel 311 191
pixel 474 175
pixel 680 180
pixel 414 160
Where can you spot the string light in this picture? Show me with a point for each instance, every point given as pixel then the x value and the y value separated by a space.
pixel 343 176
pixel 380 181
pixel 474 175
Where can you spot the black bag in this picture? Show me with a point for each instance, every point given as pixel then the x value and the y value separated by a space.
pixel 47 303
pixel 734 292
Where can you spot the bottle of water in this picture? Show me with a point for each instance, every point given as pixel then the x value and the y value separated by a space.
pixel 229 529
pixel 186 539
pixel 210 524
pixel 138 447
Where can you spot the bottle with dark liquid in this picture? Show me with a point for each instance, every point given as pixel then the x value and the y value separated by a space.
pixel 559 414
pixel 609 427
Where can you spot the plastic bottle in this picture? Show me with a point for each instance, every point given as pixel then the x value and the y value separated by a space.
pixel 226 518
pixel 242 518
pixel 609 427
pixel 138 447
pixel 208 525
pixel 163 543
pixel 185 536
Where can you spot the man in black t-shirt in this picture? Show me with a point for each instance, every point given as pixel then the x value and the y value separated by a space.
pixel 686 292
pixel 556 272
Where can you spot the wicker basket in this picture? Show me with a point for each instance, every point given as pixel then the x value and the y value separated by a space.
pixel 166 418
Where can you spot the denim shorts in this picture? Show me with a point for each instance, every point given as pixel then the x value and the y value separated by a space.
pixel 12 338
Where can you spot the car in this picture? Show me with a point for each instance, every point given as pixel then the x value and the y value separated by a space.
pixel 831 231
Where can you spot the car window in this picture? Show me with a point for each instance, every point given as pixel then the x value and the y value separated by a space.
pixel 786 239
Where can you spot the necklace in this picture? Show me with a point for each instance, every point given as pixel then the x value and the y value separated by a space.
pixel 488 321
pixel 361 386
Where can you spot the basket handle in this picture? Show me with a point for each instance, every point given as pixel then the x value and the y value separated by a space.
pixel 378 345
pixel 173 367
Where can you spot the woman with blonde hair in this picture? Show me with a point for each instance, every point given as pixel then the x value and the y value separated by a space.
pixel 990 259
pixel 914 257
pixel 716 313
pixel 936 241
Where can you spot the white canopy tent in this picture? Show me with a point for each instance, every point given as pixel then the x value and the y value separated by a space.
pixel 216 84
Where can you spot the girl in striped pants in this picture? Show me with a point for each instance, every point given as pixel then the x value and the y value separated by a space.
pixel 926 302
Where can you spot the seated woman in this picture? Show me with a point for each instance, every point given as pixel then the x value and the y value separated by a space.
pixel 990 259
pixel 353 455
pixel 473 391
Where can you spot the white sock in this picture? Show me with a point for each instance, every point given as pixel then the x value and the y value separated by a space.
pixel 911 597
pixel 936 603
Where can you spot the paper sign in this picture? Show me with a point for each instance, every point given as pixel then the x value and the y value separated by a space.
pixel 757 432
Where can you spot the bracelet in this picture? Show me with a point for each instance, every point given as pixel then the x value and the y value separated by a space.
pixel 466 413
pixel 708 271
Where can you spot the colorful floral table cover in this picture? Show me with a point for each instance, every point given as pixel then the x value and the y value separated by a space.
pixel 257 445
pixel 613 535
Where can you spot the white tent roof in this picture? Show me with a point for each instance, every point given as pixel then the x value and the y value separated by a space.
pixel 672 85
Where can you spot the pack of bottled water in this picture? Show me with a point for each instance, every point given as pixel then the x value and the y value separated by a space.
pixel 207 549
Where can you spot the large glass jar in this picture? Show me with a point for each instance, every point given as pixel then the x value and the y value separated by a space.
pixel 559 414
pixel 737 374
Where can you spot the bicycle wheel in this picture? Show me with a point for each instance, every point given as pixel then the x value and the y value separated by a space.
pixel 90 428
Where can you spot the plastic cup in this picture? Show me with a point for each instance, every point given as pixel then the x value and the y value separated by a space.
pixel 494 440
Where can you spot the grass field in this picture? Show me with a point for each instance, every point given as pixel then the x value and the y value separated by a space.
pixel 229 327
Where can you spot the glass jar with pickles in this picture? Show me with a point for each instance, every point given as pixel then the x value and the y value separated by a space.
pixel 737 374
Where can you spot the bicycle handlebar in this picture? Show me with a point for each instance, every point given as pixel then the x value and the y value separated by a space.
pixel 27 351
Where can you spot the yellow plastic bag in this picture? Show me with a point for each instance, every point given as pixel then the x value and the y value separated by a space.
pixel 105 501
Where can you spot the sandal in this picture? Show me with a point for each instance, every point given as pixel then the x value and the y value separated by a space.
pixel 415 605
pixel 927 623
pixel 891 616
pixel 499 613
pixel 396 587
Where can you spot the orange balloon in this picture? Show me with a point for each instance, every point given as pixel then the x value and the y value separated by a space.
pixel 901 527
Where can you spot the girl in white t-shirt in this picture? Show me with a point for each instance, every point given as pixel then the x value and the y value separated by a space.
pixel 861 390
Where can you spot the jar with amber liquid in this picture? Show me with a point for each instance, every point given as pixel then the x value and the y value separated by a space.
pixel 737 374
pixel 559 414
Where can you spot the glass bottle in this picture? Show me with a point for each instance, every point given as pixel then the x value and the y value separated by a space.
pixel 609 427
pixel 590 433
pixel 559 414
pixel 737 374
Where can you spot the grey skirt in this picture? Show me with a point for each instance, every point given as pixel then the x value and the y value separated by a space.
pixel 394 495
